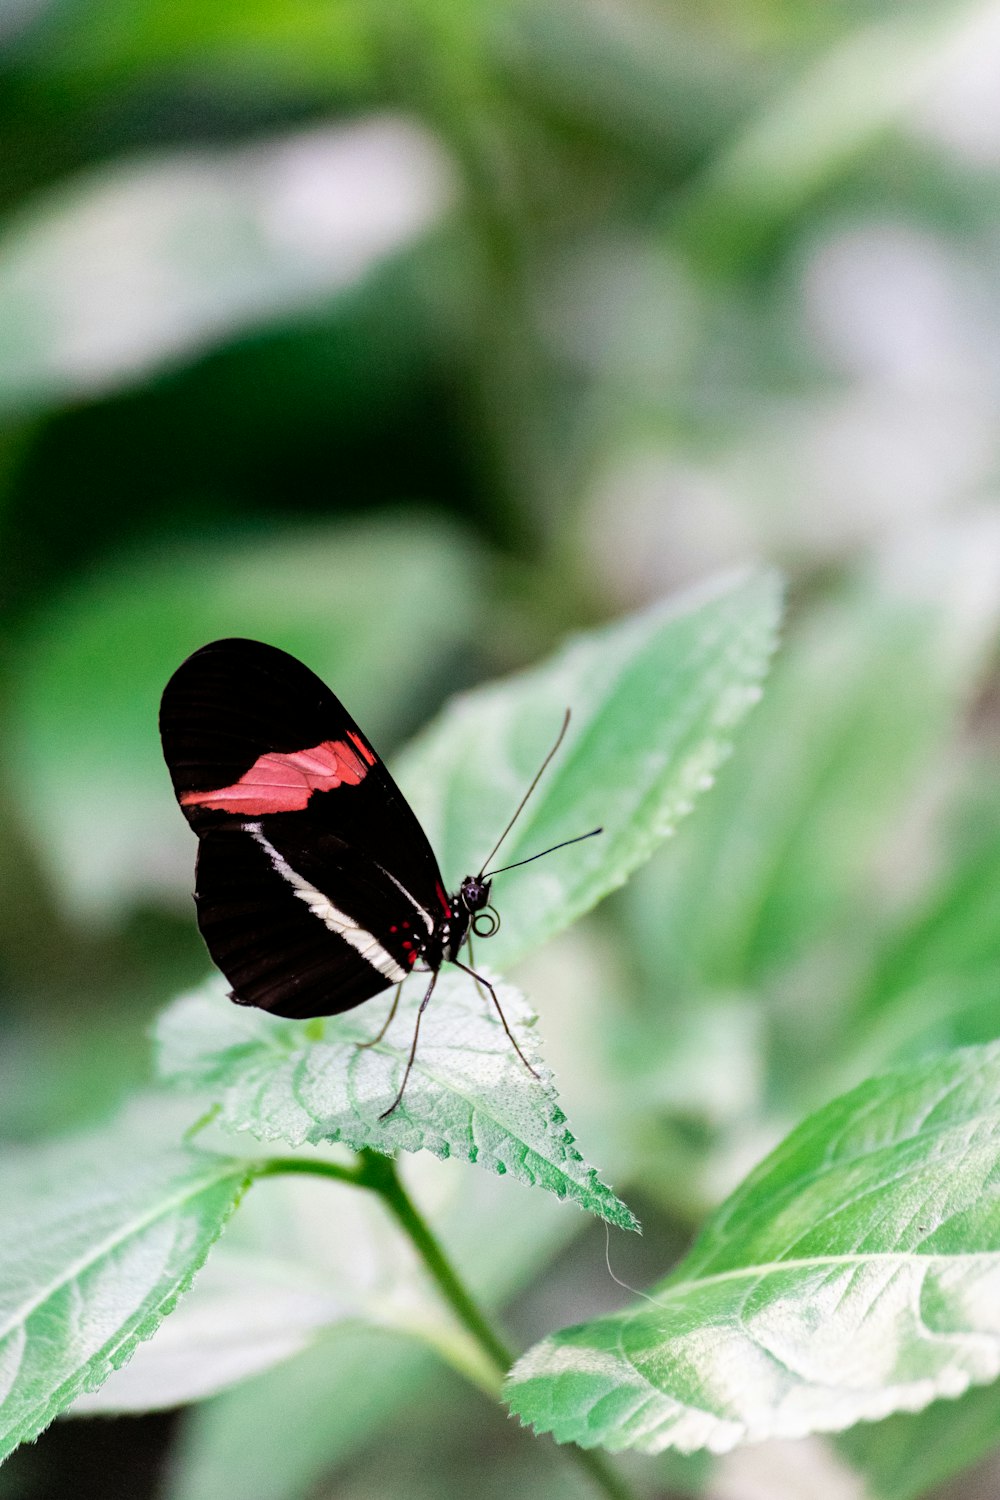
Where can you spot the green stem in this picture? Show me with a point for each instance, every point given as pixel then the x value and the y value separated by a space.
pixel 378 1173
pixel 282 1166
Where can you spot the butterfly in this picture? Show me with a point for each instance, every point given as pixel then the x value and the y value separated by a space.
pixel 316 887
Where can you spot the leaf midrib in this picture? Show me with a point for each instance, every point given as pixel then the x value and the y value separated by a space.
pixel 802 1263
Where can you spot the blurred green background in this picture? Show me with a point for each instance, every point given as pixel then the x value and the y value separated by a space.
pixel 409 336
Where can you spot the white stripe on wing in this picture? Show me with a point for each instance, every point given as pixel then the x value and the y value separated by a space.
pixel 362 941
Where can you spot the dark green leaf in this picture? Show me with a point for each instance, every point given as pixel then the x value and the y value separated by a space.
pixel 906 1456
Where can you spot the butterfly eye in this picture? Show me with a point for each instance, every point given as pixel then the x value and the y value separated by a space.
pixel 486 923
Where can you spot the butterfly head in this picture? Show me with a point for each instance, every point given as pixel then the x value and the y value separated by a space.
pixel 474 894
pixel 474 903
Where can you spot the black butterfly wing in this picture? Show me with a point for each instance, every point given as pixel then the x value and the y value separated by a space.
pixel 316 885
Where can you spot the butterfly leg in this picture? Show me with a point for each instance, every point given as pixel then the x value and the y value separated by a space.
pixel 413 1047
pixel 479 978
pixel 386 1023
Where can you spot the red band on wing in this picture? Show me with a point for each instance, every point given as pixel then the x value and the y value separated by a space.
pixel 369 755
pixel 279 782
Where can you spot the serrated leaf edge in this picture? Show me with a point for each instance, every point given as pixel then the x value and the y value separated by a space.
pixel 100 1366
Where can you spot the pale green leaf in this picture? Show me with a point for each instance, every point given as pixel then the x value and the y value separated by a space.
pixel 279 1281
pixel 101 1237
pixel 279 1433
pixel 469 1095
pixel 655 699
pixel 793 842
pixel 854 1274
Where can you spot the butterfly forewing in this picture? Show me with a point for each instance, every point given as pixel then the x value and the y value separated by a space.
pixel 316 885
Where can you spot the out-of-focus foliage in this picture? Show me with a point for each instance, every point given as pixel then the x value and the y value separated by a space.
pixel 410 337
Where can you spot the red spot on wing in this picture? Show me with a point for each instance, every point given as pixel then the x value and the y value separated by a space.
pixel 284 782
pixel 442 896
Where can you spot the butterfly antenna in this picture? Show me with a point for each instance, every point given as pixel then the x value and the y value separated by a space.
pixel 520 806
pixel 488 875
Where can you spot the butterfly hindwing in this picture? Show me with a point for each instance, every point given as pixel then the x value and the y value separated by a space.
pixel 282 944
pixel 316 885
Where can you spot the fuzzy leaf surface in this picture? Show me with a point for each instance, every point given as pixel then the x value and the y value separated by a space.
pixel 101 1237
pixel 855 1273
pixel 468 1095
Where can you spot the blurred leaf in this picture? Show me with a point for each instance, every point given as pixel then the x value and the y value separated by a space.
pixel 142 264
pixel 85 750
pixel 906 1456
pixel 934 985
pixel 259 43
pixel 855 1273
pixel 101 1238
pixel 655 700
pixel 253 1306
pixel 638 76
pixel 817 129
pixel 278 1434
pixel 469 1095
pixel 793 840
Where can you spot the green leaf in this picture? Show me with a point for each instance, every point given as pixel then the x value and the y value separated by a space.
pixel 104 819
pixel 855 1273
pixel 353 1377
pixel 101 1237
pixel 267 48
pixel 655 699
pixel 933 986
pixel 279 1281
pixel 469 1095
pixel 793 842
